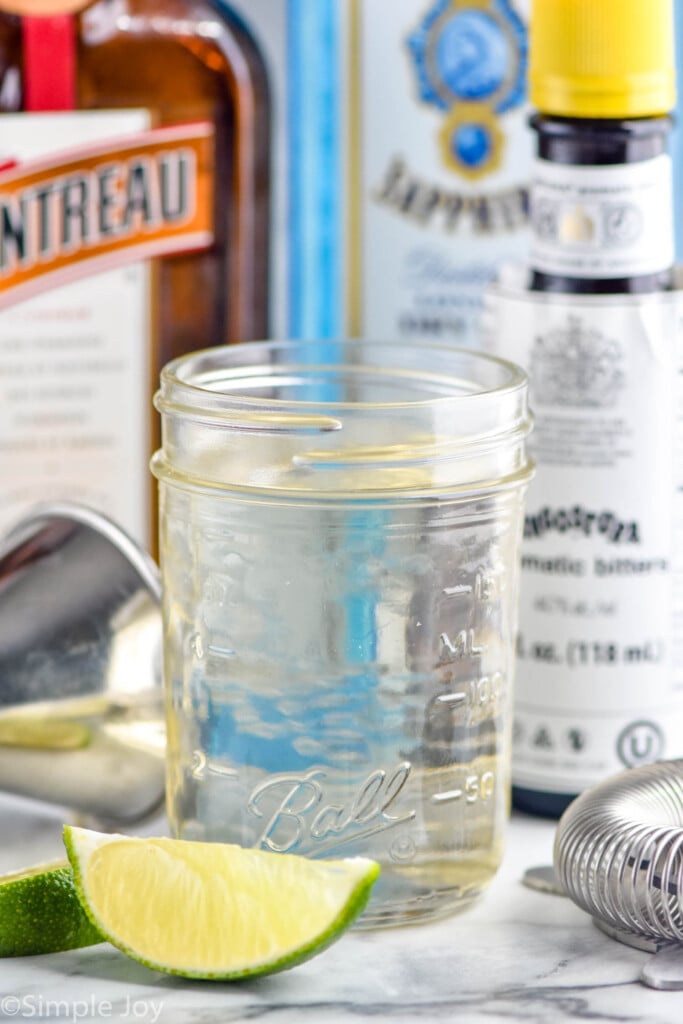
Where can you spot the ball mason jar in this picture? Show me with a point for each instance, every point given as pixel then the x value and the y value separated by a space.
pixel 340 528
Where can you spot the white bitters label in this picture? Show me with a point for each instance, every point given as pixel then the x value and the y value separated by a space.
pixel 602 222
pixel 595 686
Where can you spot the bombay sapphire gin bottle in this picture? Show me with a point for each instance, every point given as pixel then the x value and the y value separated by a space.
pixel 440 152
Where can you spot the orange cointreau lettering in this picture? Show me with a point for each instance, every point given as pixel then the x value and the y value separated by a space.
pixel 102 205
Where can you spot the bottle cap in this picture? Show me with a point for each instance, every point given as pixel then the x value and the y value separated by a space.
pixel 602 58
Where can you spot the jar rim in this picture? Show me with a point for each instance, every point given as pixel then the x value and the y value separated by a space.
pixel 343 418
pixel 210 382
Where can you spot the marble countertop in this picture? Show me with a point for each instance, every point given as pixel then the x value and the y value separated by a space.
pixel 518 955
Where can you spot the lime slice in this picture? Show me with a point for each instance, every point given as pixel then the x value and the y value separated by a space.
pixel 40 912
pixel 43 734
pixel 209 910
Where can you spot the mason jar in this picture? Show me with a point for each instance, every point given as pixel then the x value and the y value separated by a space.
pixel 340 527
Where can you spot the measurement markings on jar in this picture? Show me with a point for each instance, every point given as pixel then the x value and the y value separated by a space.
pixel 481 692
pixel 463 645
pixel 476 787
pixel 486 587
pixel 452 700
pixel 447 797
pixel 200 767
pixel 461 588
pixel 221 652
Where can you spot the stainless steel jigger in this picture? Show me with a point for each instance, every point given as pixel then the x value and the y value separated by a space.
pixel 81 711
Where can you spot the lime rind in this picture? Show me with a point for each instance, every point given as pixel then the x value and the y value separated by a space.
pixel 35 869
pixel 40 912
pixel 81 843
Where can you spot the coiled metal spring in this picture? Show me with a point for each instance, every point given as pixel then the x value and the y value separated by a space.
pixel 619 851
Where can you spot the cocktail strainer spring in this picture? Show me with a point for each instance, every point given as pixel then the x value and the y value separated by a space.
pixel 619 851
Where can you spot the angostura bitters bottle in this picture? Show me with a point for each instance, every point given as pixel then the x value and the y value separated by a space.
pixel 134 211
pixel 595 680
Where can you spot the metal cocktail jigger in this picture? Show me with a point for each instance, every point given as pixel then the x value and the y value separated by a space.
pixel 81 708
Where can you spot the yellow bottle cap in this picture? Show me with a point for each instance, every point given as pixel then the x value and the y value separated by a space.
pixel 602 58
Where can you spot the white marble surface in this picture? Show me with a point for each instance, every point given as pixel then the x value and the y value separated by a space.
pixel 517 955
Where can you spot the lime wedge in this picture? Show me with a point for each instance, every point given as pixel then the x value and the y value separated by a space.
pixel 209 910
pixel 43 734
pixel 40 912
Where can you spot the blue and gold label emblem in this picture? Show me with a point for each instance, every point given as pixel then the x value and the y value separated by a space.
pixel 470 57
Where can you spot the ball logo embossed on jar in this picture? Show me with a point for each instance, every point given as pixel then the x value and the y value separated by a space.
pixel 302 814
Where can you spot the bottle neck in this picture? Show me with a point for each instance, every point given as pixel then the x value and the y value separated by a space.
pixel 602 204
pixel 600 141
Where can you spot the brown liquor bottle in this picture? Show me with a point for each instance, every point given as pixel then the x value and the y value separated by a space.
pixel 134 213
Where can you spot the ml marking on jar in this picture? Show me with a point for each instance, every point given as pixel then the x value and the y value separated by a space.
pixel 463 646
